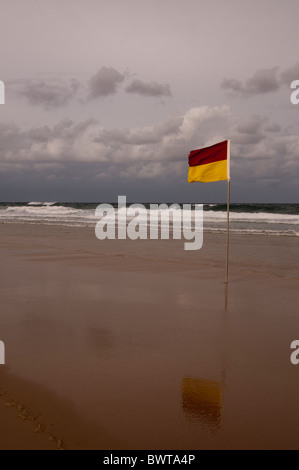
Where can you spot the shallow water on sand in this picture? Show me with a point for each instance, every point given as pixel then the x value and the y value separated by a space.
pixel 146 349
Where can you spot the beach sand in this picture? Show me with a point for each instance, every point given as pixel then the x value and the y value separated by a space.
pixel 121 344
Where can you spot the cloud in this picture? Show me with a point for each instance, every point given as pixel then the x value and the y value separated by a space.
pixel 273 128
pixel 55 93
pixel 51 94
pixel 140 135
pixel 290 74
pixel 105 82
pixel 232 85
pixel 87 141
pixel 271 159
pixel 87 150
pixel 250 130
pixel 263 81
pixel 152 89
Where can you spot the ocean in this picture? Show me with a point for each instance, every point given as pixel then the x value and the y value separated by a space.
pixel 267 219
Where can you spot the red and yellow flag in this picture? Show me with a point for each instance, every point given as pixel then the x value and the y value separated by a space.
pixel 210 163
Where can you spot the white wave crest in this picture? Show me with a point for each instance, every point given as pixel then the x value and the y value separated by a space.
pixel 252 217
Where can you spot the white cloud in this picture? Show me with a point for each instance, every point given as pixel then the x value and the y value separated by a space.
pixel 154 151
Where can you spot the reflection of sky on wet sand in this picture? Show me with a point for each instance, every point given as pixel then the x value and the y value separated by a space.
pixel 202 401
pixel 117 342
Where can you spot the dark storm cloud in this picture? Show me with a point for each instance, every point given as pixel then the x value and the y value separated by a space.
pixel 49 94
pixel 87 141
pixel 105 82
pixel 263 81
pixel 153 152
pixel 153 89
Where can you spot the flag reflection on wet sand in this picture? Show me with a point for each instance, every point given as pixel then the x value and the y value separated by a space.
pixel 202 401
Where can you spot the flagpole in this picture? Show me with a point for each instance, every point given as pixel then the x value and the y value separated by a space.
pixel 227 231
pixel 227 216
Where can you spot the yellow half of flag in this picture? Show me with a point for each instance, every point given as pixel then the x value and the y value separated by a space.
pixel 215 171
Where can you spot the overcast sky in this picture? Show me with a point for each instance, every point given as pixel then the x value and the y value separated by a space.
pixel 105 98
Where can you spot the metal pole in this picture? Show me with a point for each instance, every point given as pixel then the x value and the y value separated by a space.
pixel 227 230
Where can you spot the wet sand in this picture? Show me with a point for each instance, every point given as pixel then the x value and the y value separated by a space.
pixel 127 345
